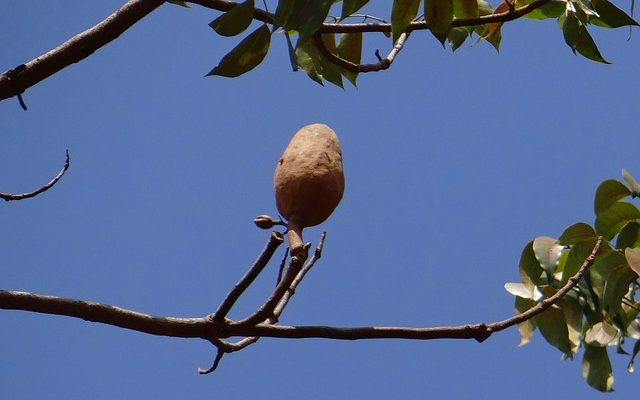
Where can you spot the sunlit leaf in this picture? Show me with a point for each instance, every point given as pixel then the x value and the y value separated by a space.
pixel 578 38
pixel 402 13
pixel 633 185
pixel 530 268
pixel 553 327
pixel 304 16
pixel 351 6
pixel 484 8
pixel 610 16
pixel 610 222
pixel 610 279
pixel 520 290
pixel 633 259
pixel 350 49
pixel 576 233
pixel 548 252
pixel 596 368
pixel 609 192
pixel 246 55
pixel 234 21
pixel 439 14
pixel 601 334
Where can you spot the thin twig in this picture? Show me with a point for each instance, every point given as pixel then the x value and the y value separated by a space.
pixel 277 311
pixel 266 310
pixel 43 188
pixel 227 347
pixel 275 240
pixel 382 64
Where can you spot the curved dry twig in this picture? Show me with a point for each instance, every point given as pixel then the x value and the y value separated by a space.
pixel 43 188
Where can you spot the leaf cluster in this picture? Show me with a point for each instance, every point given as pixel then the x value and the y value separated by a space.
pixel 601 312
pixel 452 22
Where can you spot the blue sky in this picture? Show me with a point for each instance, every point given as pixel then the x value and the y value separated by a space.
pixel 453 162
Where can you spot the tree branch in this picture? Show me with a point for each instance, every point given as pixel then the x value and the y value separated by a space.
pixel 275 240
pixel 43 188
pixel 15 81
pixel 206 328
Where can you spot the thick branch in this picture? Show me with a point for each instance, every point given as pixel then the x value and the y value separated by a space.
pixel 207 329
pixel 75 49
pixel 423 25
pixel 108 314
pixel 43 188
pixel 15 81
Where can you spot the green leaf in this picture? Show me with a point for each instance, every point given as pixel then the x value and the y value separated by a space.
pixel 528 327
pixel 610 16
pixel 633 259
pixel 610 222
pixel 465 8
pixel 351 6
pixel 402 13
pixel 601 334
pixel 179 3
pixel 530 268
pixel 330 71
pixel 576 233
pixel 350 49
pixel 610 280
pixel 578 38
pixel 633 185
pixel 304 16
pixel 551 9
pixel 235 21
pixel 609 192
pixel 553 326
pixel 596 368
pixel 578 253
pixel 457 36
pixel 484 8
pixel 246 55
pixel 629 236
pixel 308 60
pixel 574 317
pixel 548 252
pixel 636 350
pixel 439 14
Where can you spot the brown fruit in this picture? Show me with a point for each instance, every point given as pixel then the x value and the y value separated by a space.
pixel 309 180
